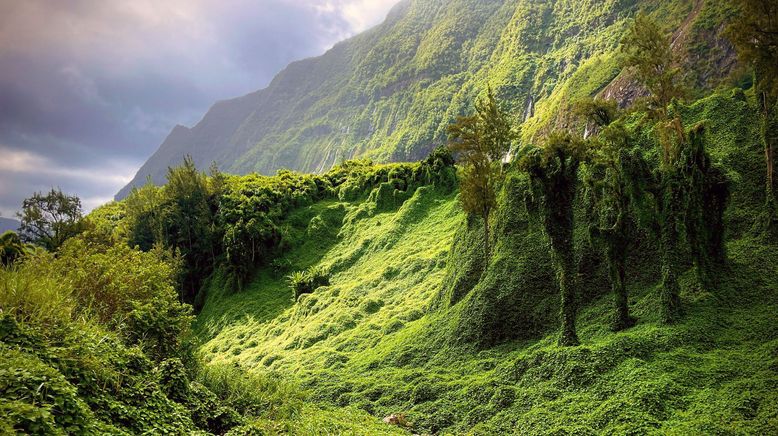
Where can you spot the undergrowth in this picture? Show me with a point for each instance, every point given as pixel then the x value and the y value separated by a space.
pixel 385 336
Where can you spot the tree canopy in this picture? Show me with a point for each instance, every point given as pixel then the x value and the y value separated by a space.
pixel 49 219
pixel 481 141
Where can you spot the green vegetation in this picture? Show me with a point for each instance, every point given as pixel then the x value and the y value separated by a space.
pixel 553 173
pixel 95 341
pixel 755 35
pixel 613 276
pixel 612 190
pixel 305 282
pixel 389 336
pixel 96 338
pixel 48 220
pixel 481 141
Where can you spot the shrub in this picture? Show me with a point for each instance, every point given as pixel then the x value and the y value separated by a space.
pixel 305 282
pixel 160 326
pixel 11 248
pixel 279 266
pixel 252 393
pixel 30 293
pixel 37 399
pixel 173 380
pixel 208 412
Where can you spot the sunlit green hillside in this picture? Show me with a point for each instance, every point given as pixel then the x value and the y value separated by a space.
pixel 591 250
pixel 379 337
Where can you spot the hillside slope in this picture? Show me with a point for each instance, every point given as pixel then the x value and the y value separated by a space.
pixel 379 338
pixel 390 92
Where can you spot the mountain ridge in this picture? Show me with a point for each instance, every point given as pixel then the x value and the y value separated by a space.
pixel 389 93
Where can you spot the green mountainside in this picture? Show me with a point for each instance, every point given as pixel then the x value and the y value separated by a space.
pixel 390 92
pixel 408 325
pixel 363 297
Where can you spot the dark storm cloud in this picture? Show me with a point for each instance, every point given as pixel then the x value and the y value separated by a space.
pixel 89 88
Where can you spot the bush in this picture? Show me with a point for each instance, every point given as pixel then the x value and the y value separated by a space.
pixel 173 380
pixel 208 412
pixel 252 393
pixel 11 248
pixel 37 399
pixel 305 282
pixel 160 326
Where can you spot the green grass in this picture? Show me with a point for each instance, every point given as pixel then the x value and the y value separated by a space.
pixel 368 341
pixel 378 338
pixel 379 276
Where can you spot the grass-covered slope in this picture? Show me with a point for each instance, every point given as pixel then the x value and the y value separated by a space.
pixel 394 330
pixel 94 341
pixel 390 92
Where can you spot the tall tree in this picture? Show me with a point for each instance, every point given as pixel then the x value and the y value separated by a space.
pixel 481 140
pixel 685 177
pixel 608 191
pixel 708 195
pixel 49 219
pixel 553 172
pixel 188 220
pixel 755 35
pixel 648 54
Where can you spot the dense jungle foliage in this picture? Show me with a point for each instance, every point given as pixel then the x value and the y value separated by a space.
pixel 96 335
pixel 605 265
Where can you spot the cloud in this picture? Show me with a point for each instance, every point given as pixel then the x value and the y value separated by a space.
pixel 362 14
pixel 23 172
pixel 93 86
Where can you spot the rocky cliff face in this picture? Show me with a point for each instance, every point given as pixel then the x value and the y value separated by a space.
pixel 390 92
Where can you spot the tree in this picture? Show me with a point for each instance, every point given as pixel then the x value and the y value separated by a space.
pixel 188 219
pixel 48 220
pixel 596 113
pixel 648 54
pixel 553 172
pixel 755 35
pixel 481 140
pixel 144 220
pixel 608 194
pixel 708 196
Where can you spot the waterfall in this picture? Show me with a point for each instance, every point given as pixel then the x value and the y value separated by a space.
pixel 530 111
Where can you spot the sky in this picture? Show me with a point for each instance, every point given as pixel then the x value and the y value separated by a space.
pixel 90 88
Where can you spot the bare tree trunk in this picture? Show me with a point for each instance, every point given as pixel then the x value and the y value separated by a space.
pixel 769 151
pixel 769 133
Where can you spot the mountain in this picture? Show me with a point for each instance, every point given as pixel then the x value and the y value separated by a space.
pixel 389 93
pixel 8 224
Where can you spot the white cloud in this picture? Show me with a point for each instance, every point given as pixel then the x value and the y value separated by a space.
pixel 23 162
pixel 362 14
